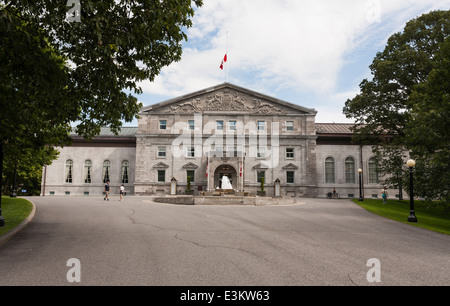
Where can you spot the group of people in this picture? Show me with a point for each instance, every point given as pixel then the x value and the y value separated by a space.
pixel 108 188
pixel 384 195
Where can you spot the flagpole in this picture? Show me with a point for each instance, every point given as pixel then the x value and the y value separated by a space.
pixel 207 170
pixel 227 54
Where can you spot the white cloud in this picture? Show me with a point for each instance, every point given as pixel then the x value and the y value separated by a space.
pixel 296 45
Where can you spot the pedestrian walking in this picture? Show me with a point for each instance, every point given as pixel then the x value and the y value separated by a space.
pixel 384 195
pixel 121 191
pixel 106 190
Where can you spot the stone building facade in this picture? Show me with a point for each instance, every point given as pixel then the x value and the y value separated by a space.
pixel 222 131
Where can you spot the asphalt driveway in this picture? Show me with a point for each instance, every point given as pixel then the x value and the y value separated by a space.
pixel 139 242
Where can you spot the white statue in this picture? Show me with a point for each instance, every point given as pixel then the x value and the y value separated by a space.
pixel 226 184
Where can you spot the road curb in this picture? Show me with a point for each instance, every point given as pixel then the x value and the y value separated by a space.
pixel 9 235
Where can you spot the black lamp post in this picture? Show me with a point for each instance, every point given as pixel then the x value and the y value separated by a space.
pixel 360 185
pixel 13 193
pixel 2 219
pixel 412 216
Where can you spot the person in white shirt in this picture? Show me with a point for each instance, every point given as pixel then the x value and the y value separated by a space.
pixel 121 191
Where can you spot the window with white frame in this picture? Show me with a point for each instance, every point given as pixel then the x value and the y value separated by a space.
pixel 350 170
pixel 190 152
pixel 373 171
pixel 191 124
pixel 261 152
pixel 69 168
pixel 290 153
pixel 161 151
pixel 219 125
pixel 261 125
pixel 162 124
pixel 125 171
pixel 106 171
pixel 289 125
pixel 329 170
pixel 87 172
pixel 232 125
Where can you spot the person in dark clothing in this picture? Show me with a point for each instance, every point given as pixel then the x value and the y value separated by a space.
pixel 107 188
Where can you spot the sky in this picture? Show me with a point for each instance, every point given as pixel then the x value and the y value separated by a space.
pixel 310 53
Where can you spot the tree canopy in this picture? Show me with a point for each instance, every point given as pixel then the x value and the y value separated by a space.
pixel 406 90
pixel 115 45
pixel 57 68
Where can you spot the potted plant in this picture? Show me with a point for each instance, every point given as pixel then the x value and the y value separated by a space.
pixel 261 192
pixel 189 191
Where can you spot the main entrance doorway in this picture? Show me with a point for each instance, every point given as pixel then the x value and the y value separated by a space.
pixel 228 171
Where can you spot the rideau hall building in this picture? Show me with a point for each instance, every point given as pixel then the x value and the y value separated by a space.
pixel 223 131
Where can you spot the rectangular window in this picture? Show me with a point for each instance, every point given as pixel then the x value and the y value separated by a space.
pixel 190 173
pixel 218 152
pixel 261 125
pixel 125 170
pixel 261 152
pixel 69 167
pixel 232 124
pixel 289 152
pixel 373 172
pixel 162 124
pixel 219 125
pixel 329 170
pixel 190 152
pixel 289 125
pixel 290 177
pixel 260 175
pixel 87 172
pixel 191 124
pixel 232 152
pixel 161 151
pixel 161 176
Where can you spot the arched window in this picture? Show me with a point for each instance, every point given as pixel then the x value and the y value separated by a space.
pixel 350 170
pixel 69 167
pixel 87 172
pixel 106 170
pixel 329 170
pixel 125 171
pixel 373 171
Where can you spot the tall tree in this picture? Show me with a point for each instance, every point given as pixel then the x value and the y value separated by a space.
pixel 383 106
pixel 428 130
pixel 57 69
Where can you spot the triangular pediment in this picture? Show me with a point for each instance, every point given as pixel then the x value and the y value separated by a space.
pixel 190 166
pixel 161 165
pixel 261 166
pixel 290 166
pixel 227 98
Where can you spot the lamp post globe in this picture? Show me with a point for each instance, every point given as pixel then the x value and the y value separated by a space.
pixel 412 216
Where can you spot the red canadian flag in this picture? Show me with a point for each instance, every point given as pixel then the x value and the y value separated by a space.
pixel 223 61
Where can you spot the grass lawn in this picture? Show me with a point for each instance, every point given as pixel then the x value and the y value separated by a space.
pixel 14 210
pixel 435 217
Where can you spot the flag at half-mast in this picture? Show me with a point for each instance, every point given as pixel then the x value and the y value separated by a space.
pixel 223 61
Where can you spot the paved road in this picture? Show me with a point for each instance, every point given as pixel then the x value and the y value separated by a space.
pixel 139 242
